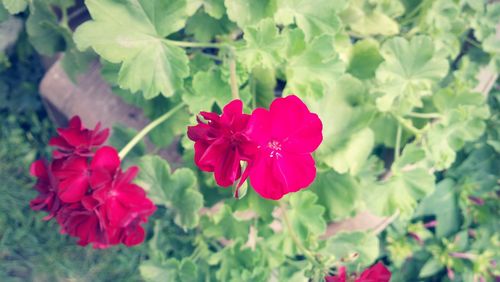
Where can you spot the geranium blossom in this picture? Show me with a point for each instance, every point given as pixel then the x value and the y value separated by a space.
pixel 276 144
pixel 376 273
pixel 87 192
pixel 286 135
pixel 221 143
pixel 78 140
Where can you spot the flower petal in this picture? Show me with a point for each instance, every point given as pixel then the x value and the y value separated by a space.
pixel 106 158
pixel 376 273
pixel 298 170
pixel 260 127
pixel 266 179
pixel 307 137
pixel 287 115
pixel 228 169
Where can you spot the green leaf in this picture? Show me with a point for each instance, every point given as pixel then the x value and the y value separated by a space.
pixel 44 32
pixel 215 8
pixel 410 71
pixel 366 19
pixel 15 6
pixel 347 139
pixel 338 193
pixel 400 193
pixel 132 33
pixel 255 203
pixel 209 88
pixel 364 59
pixel 170 270
pixel 223 224
pixel 411 155
pixel 443 204
pixel 314 17
pixel 177 191
pixel 239 263
pixel 431 267
pixel 245 13
pixel 75 62
pixel 351 157
pixel 463 115
pixel 263 83
pixel 318 63
pixel 205 28
pixel 263 45
pixel 344 245
pixel 306 215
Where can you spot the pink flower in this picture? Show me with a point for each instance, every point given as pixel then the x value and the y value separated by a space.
pixel 376 273
pixel 286 136
pixel 77 140
pixel 221 143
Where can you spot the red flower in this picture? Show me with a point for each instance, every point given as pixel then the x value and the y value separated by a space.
pixel 376 273
pixel 122 202
pixel 46 186
pixel 220 143
pixel 73 176
pixel 79 221
pixel 286 136
pixel 88 193
pixel 77 140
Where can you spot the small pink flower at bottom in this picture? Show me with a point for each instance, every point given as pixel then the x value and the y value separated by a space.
pixel 376 273
pixel 286 136
pixel 220 143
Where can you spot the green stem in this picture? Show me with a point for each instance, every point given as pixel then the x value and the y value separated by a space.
pixel 397 148
pixel 64 19
pixel 408 126
pixel 296 239
pixel 424 115
pixel 188 44
pixel 232 78
pixel 473 43
pixel 147 129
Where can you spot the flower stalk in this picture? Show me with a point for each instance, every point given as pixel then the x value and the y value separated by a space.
pixel 147 129
pixel 307 253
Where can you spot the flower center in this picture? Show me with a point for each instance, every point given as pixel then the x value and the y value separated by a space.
pixel 112 193
pixel 275 147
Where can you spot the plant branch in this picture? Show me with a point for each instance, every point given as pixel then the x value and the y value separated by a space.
pixel 295 238
pixel 397 148
pixel 188 44
pixel 424 115
pixel 232 77
pixel 147 129
pixel 408 125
